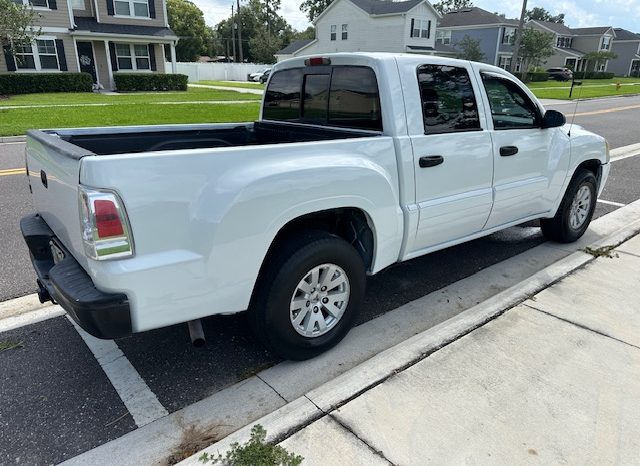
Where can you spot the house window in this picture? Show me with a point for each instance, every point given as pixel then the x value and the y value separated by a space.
pixel 606 43
pixel 505 62
pixel 564 42
pixel 443 37
pixel 138 8
pixel 420 28
pixel 334 28
pixel 345 34
pixel 33 3
pixel 133 57
pixel 571 63
pixel 603 66
pixel 42 56
pixel 77 4
pixel 635 68
pixel 509 36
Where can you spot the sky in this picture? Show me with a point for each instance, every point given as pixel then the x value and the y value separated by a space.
pixel 583 13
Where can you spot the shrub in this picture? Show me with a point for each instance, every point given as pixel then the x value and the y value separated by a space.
pixel 128 82
pixel 534 76
pixel 29 83
pixel 592 75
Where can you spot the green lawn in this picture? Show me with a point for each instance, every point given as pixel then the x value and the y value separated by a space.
pixel 590 88
pixel 246 85
pixel 127 109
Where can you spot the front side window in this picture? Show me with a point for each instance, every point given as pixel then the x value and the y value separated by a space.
pixel 139 8
pixel 344 32
pixel 132 57
pixel 334 28
pixel 509 36
pixel 422 28
pixel 448 100
pixel 511 108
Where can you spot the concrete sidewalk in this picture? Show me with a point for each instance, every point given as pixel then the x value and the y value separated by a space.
pixel 555 380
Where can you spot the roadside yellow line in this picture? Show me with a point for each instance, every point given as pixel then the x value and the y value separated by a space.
pixel 608 110
pixel 12 171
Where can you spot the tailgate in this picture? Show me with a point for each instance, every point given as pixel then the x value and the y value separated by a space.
pixel 54 174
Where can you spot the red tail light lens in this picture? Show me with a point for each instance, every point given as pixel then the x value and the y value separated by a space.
pixel 108 221
pixel 315 61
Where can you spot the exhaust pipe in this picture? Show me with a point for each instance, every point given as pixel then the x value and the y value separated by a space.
pixel 196 333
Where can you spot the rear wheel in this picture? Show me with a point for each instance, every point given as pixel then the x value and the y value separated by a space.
pixel 575 211
pixel 308 295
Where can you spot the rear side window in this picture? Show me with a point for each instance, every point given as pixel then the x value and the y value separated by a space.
pixel 345 96
pixel 448 102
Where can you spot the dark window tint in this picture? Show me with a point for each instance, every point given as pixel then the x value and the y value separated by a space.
pixel 448 102
pixel 316 94
pixel 354 100
pixel 282 98
pixel 510 106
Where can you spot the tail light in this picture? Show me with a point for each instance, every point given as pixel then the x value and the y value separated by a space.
pixel 105 227
pixel 316 61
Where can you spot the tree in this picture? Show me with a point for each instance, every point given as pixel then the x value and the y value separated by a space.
pixel 535 47
pixel 263 46
pixel 470 49
pixel 313 8
pixel 540 14
pixel 599 58
pixel 445 6
pixel 16 24
pixel 187 21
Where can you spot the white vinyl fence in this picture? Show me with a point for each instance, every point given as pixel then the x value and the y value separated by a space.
pixel 216 71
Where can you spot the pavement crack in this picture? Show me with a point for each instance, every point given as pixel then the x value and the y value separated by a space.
pixel 584 327
pixel 628 253
pixel 349 430
pixel 272 388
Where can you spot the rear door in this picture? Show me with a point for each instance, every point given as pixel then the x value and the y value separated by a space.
pixel 452 152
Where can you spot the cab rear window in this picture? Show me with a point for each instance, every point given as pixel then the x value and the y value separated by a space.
pixel 344 96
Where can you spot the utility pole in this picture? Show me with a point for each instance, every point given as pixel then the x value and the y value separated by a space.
pixel 268 20
pixel 240 32
pixel 233 34
pixel 516 46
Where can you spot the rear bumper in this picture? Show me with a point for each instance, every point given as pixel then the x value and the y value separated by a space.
pixel 103 315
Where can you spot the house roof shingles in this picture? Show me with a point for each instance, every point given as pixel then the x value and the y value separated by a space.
pixel 556 27
pixel 473 16
pixel 590 31
pixel 378 7
pixel 91 25
pixel 623 34
pixel 294 46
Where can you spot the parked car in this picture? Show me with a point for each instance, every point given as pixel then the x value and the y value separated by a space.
pixel 358 161
pixel 560 74
pixel 265 77
pixel 255 77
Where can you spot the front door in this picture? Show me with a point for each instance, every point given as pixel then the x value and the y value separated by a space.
pixel 527 158
pixel 452 156
pixel 86 59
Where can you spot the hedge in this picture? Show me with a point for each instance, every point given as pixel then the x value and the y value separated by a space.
pixel 29 83
pixel 533 76
pixel 127 82
pixel 592 75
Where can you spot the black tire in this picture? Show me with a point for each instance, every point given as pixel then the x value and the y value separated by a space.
pixel 559 227
pixel 269 312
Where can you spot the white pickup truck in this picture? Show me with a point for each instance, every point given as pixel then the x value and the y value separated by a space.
pixel 358 161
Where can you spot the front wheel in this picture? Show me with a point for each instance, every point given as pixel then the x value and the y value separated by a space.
pixel 575 211
pixel 308 295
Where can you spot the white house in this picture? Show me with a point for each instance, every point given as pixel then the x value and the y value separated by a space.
pixel 372 26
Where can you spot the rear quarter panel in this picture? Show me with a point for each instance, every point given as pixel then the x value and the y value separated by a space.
pixel 203 220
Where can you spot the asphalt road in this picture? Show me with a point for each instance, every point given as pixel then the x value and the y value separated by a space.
pixel 56 402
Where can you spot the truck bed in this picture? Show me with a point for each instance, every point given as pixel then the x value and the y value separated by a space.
pixel 104 141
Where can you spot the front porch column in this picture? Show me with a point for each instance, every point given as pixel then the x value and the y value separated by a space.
pixel 109 66
pixel 174 67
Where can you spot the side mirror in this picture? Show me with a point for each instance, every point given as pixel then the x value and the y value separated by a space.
pixel 553 119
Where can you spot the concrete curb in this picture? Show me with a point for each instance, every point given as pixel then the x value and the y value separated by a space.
pixel 10 139
pixel 317 403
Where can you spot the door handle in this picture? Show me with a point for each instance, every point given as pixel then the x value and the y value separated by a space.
pixel 506 151
pixel 430 161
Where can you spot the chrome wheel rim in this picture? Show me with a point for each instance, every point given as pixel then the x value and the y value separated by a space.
pixel 580 208
pixel 319 301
